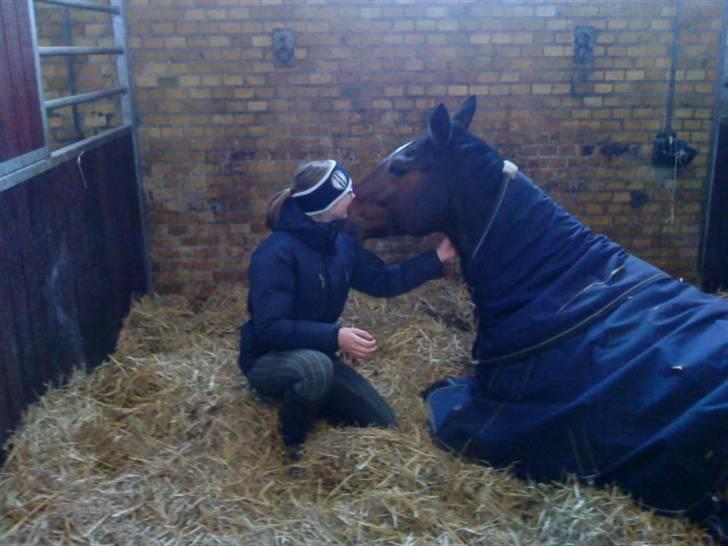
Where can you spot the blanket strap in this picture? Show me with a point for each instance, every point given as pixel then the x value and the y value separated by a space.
pixel 507 177
pixel 604 310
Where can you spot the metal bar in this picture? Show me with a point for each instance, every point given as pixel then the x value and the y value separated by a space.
pixel 87 143
pixel 71 64
pixel 722 94
pixel 79 50
pixel 673 64
pixel 84 97
pixel 81 4
pixel 39 76
pixel 21 161
pixel 61 155
pixel 123 62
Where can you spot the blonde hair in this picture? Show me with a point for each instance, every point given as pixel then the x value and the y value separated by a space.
pixel 306 176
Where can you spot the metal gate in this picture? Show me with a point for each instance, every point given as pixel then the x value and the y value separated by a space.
pixel 17 169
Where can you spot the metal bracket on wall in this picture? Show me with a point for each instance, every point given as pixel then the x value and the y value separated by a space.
pixel 584 40
pixel 284 46
pixel 79 164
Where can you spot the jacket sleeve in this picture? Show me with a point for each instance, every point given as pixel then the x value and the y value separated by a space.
pixel 372 276
pixel 272 296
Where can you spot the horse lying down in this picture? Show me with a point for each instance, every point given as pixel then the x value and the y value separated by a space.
pixel 590 361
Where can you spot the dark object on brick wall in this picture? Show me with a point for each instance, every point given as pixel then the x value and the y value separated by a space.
pixel 284 46
pixel 584 38
pixel 613 149
pixel 638 199
pixel 168 81
pixel 580 84
pixel 587 149
pixel 669 151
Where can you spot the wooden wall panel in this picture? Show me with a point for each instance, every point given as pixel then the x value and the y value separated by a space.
pixel 21 121
pixel 72 261
pixel 715 246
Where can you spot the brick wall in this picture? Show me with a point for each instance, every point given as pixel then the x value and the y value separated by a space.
pixel 223 127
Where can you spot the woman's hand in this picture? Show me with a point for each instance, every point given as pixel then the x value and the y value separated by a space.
pixel 446 251
pixel 357 343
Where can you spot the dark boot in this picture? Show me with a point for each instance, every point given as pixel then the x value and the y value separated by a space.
pixel 296 418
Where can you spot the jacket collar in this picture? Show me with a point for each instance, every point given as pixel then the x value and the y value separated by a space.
pixel 318 235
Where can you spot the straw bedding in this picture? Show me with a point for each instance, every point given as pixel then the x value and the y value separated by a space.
pixel 164 444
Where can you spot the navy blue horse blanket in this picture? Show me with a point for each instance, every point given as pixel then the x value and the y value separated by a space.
pixel 591 362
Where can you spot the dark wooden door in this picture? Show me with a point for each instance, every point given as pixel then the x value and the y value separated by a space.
pixel 71 262
pixel 715 246
pixel 22 134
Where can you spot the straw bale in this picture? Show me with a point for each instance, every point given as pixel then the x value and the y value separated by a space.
pixel 165 444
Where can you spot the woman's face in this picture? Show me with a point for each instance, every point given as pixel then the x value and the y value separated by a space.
pixel 340 210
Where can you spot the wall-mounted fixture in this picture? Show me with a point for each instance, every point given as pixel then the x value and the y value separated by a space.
pixel 284 46
pixel 584 40
pixel 670 151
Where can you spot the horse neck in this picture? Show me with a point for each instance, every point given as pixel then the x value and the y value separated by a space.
pixel 471 209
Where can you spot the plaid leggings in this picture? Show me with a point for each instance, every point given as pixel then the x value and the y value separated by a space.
pixel 312 379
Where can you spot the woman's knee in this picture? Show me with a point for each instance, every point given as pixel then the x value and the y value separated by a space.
pixel 316 374
pixel 355 400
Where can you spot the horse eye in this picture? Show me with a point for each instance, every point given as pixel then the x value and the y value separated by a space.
pixel 397 169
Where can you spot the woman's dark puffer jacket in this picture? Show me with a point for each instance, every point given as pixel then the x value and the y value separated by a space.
pixel 300 278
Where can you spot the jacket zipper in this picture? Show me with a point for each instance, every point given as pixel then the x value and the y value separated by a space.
pixel 325 279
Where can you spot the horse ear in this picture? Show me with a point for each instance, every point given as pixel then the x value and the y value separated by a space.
pixel 464 116
pixel 439 127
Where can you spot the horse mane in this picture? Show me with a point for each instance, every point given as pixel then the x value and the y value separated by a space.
pixel 482 164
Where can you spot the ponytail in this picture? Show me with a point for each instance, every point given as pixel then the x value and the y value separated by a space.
pixel 274 207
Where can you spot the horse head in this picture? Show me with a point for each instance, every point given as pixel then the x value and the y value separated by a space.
pixel 434 183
